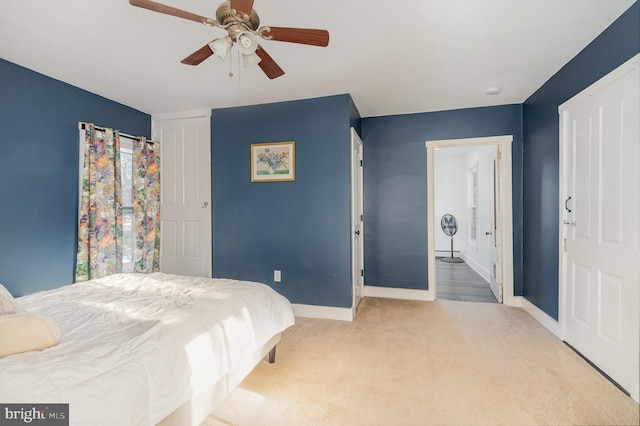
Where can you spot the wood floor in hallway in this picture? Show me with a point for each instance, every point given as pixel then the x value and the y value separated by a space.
pixel 457 281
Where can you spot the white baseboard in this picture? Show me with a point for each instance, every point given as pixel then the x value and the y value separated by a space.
pixel 398 293
pixel 542 317
pixel 478 268
pixel 324 312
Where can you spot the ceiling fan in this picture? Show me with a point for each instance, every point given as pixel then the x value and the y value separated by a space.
pixel 243 25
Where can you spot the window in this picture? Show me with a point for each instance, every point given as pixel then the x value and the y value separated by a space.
pixel 473 204
pixel 126 163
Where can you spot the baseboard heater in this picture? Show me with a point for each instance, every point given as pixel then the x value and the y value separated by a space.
pixel 446 252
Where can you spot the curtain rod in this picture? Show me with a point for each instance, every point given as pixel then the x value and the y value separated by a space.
pixel 103 129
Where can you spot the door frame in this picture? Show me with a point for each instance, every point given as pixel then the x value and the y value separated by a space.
pixel 506 196
pixel 357 189
pixel 494 256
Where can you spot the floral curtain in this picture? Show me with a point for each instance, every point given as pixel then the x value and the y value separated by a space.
pixel 100 213
pixel 100 218
pixel 146 205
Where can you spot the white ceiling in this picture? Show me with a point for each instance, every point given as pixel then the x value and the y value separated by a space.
pixel 392 57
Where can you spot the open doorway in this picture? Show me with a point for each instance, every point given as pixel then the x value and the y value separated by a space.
pixel 465 218
pixel 494 232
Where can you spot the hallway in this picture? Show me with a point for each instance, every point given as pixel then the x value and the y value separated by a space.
pixel 457 281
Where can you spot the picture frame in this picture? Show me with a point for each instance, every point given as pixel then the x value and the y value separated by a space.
pixel 273 162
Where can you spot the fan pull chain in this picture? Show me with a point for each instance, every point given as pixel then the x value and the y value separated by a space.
pixel 231 61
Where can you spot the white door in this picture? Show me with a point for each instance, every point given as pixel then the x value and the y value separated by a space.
pixel 185 208
pixel 601 229
pixel 495 271
pixel 357 219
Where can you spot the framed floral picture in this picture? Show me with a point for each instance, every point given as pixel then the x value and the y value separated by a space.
pixel 273 162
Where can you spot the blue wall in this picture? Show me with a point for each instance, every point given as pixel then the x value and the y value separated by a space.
pixel 395 180
pixel 614 46
pixel 301 228
pixel 39 173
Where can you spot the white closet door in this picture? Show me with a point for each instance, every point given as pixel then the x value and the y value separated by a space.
pixel 357 219
pixel 601 225
pixel 186 195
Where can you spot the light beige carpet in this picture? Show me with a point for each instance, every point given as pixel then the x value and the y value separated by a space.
pixel 419 363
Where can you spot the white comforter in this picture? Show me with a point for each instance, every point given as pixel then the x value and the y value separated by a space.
pixel 135 347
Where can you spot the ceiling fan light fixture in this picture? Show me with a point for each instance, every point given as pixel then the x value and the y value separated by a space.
pixel 246 43
pixel 250 60
pixel 242 25
pixel 221 47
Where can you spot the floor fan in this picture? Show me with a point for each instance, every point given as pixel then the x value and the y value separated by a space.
pixel 449 226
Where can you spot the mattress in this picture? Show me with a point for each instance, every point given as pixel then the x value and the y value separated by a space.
pixel 134 347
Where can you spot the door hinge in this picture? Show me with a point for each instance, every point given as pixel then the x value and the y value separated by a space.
pixel 361 218
pixel 362 272
pixel 564 245
pixel 360 163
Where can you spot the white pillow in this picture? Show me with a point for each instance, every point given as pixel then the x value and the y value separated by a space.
pixel 7 302
pixel 26 331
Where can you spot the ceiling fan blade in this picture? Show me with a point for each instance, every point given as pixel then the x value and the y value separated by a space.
pixel 198 56
pixel 268 65
pixel 162 8
pixel 244 6
pixel 296 35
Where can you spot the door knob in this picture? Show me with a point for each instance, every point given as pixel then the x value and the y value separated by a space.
pixel 357 232
pixel 205 205
pixel 488 233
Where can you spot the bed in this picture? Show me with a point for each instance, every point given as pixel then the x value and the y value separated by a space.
pixel 143 349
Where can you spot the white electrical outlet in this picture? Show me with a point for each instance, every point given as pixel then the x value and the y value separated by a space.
pixel 277 276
